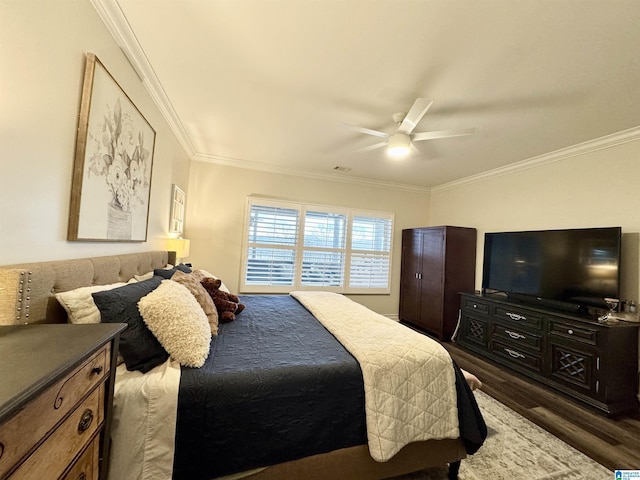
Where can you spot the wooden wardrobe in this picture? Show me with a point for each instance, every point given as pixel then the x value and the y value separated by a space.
pixel 438 263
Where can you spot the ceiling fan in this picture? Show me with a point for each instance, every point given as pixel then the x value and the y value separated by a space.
pixel 402 141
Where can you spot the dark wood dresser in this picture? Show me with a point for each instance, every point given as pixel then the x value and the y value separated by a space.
pixel 56 391
pixel 594 363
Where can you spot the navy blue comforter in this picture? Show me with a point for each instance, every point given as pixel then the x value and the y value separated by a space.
pixel 277 386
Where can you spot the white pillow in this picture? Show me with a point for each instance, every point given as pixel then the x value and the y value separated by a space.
pixel 79 303
pixel 176 319
pixel 142 278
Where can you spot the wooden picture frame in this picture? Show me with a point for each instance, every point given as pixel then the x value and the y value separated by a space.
pixel 111 185
pixel 178 201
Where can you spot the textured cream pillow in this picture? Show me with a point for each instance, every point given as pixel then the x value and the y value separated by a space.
pixel 79 303
pixel 178 322
pixel 192 282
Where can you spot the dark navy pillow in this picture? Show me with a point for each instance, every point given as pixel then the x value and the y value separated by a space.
pixel 168 273
pixel 139 348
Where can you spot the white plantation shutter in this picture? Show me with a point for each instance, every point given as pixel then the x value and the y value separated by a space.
pixel 370 252
pixel 271 246
pixel 322 269
pixel 323 258
pixel 292 246
pixel 270 266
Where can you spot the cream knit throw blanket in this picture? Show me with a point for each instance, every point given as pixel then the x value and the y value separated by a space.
pixel 409 380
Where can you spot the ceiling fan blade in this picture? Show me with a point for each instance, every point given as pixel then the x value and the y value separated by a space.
pixel 368 131
pixel 371 147
pixel 415 152
pixel 417 111
pixel 420 136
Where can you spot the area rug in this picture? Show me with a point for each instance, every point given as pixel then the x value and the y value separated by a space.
pixel 517 449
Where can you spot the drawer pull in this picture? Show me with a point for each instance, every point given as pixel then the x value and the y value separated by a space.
pixel 514 354
pixel 85 420
pixel 515 316
pixel 1 449
pixel 570 332
pixel 97 370
pixel 82 476
pixel 515 335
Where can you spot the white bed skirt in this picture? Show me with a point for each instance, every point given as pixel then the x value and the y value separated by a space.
pixel 144 423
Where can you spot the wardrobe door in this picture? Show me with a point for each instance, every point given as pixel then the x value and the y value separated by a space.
pixel 460 273
pixel 410 270
pixel 431 297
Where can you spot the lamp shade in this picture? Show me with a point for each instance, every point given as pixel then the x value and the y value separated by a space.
pixel 399 145
pixel 180 246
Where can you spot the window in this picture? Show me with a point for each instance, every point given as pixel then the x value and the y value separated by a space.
pixel 291 246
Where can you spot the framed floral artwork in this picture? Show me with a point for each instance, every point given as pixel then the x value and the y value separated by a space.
pixel 111 182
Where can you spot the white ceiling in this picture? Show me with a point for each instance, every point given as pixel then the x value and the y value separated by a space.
pixel 265 83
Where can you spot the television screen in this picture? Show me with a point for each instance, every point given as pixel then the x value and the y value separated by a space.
pixel 577 266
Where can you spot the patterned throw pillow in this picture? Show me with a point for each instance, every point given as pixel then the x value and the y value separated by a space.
pixel 192 282
pixel 139 347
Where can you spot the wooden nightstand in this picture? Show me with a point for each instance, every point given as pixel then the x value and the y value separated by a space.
pixel 56 392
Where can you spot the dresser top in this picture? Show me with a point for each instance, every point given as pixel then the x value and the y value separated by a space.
pixel 33 357
pixel 584 318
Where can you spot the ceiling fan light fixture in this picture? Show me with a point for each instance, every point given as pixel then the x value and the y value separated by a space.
pixel 399 145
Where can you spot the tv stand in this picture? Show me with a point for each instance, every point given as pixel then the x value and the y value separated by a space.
pixel 593 363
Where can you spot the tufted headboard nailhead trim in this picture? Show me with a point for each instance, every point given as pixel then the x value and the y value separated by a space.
pixel 27 290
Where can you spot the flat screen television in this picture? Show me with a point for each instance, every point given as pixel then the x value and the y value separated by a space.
pixel 569 269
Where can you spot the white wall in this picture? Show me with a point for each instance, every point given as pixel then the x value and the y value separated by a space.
pixel 216 215
pixel 42 48
pixel 596 189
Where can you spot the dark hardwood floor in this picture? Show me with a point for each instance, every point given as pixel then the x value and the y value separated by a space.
pixel 615 443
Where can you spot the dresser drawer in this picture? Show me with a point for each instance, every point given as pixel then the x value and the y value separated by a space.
pixel 52 458
pixel 517 356
pixel 517 316
pixel 86 468
pixel 22 432
pixel 476 306
pixel 580 333
pixel 516 337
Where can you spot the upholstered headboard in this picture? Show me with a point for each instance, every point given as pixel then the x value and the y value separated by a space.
pixel 26 290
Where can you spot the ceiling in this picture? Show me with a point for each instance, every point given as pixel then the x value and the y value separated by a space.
pixel 265 84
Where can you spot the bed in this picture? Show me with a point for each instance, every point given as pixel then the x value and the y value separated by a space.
pixel 307 414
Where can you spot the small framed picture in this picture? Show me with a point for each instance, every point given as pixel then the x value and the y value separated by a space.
pixel 176 224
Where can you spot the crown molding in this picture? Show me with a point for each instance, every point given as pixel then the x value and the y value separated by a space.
pixel 263 167
pixel 602 143
pixel 116 22
pixel 113 17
